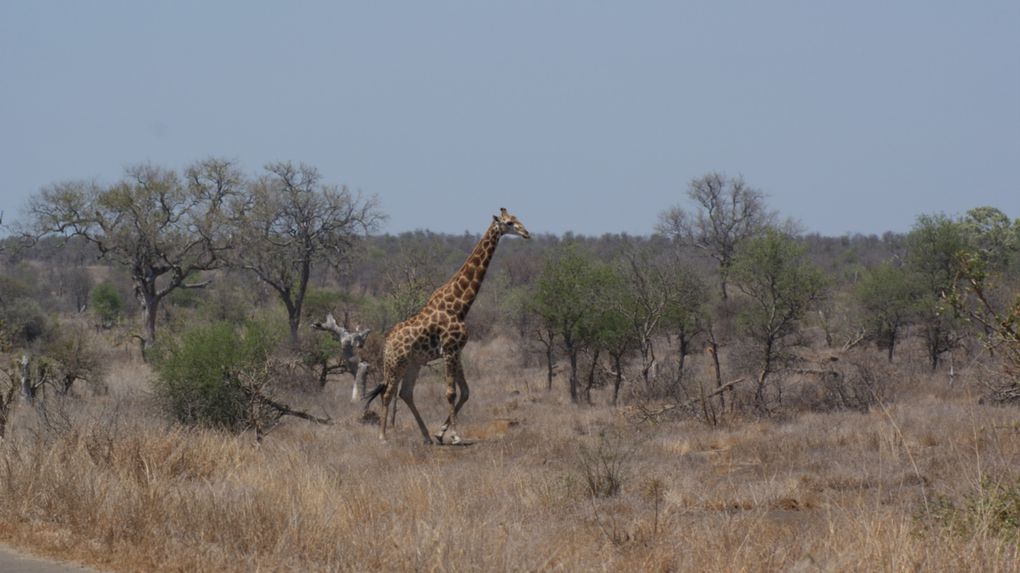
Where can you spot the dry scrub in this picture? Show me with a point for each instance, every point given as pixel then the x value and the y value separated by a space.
pixel 910 486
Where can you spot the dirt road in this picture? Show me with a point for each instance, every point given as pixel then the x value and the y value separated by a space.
pixel 13 561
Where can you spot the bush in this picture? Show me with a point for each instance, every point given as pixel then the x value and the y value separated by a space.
pixel 603 466
pixel 994 508
pixel 22 322
pixel 74 357
pixel 213 375
pixel 854 384
pixel 107 304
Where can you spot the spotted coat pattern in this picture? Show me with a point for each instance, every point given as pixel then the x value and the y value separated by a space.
pixel 438 331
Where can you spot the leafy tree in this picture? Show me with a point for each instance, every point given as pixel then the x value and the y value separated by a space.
pixel 611 327
pixel 161 228
pixel 106 303
pixel 566 298
pixel 934 246
pixel 605 327
pixel 889 296
pixel 992 236
pixel 289 222
pixel 981 296
pixel 685 315
pixel 728 212
pixel 320 302
pixel 781 287
pixel 531 329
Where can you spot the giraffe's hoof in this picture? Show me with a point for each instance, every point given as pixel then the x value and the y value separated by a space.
pixel 456 440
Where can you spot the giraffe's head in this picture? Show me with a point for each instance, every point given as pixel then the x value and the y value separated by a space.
pixel 509 225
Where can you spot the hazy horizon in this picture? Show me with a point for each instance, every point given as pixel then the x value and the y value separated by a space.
pixel 576 116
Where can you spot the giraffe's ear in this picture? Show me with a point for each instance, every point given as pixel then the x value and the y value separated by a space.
pixel 495 218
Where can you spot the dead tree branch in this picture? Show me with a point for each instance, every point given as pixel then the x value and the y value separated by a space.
pixel 652 415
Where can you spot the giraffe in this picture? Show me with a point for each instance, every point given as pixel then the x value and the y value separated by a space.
pixel 438 331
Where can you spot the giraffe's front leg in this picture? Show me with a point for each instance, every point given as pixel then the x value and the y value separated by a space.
pixel 454 381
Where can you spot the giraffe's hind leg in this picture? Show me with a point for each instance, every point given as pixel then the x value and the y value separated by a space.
pixel 455 397
pixel 407 395
pixel 392 378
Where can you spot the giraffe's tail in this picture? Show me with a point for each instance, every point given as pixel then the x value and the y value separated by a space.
pixel 373 394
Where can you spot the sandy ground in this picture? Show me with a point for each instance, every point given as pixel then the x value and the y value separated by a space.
pixel 13 561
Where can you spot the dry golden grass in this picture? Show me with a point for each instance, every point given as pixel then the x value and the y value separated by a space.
pixel 115 485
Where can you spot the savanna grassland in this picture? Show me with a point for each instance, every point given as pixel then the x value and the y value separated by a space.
pixel 726 394
pixel 925 482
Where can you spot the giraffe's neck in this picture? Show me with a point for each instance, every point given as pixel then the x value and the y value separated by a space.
pixel 458 294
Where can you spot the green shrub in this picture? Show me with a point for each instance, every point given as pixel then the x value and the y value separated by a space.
pixel 994 508
pixel 213 375
pixel 22 321
pixel 106 303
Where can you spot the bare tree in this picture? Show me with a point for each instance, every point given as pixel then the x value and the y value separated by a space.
pixel 291 221
pixel 728 211
pixel 655 292
pixel 351 342
pixel 162 229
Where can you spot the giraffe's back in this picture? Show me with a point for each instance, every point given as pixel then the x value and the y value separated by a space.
pixel 423 338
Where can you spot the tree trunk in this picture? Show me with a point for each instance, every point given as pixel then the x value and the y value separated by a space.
pixel 293 307
pixel 360 382
pixel 572 353
pixel 323 374
pixel 648 362
pixel 294 320
pixel 706 407
pixel 145 289
pixel 933 351
pixel 24 374
pixel 826 327
pixel 713 349
pixel 151 309
pixel 299 296
pixel 549 364
pixel 591 377
pixel 759 394
pixel 684 344
pixel 618 379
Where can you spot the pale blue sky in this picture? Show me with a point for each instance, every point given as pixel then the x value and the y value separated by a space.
pixel 584 116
